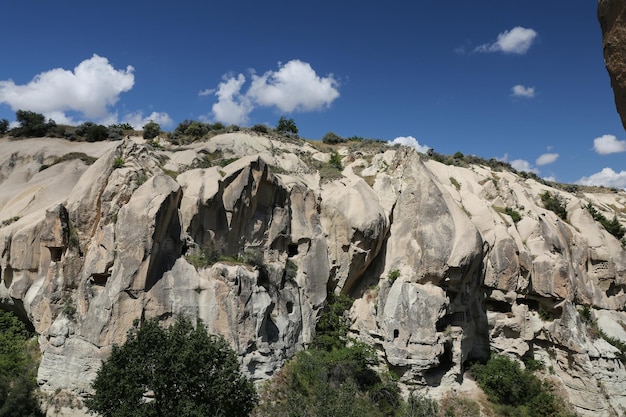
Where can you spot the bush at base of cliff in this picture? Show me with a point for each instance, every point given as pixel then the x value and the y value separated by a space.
pixel 517 392
pixel 333 378
pixel 179 371
pixel 18 367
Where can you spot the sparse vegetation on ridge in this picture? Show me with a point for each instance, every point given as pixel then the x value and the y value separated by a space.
pixel 614 227
pixel 554 203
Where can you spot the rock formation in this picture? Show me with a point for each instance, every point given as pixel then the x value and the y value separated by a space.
pixel 251 232
pixel 612 17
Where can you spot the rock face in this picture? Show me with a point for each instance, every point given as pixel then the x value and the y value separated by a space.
pixel 253 233
pixel 612 17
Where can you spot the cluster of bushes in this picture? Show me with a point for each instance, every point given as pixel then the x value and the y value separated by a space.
pixel 517 391
pixel 614 227
pixel 554 203
pixel 510 211
pixel 461 160
pixel 32 124
pixel 189 131
pixel 334 377
pixel 18 368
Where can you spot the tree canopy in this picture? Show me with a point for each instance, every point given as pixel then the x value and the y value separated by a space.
pixel 151 130
pixel 178 371
pixel 287 126
pixel 31 124
pixel 18 368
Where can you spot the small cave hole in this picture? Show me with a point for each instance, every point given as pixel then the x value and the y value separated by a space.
pixel 433 376
pixel 292 250
pixel 498 306
pixel 8 277
pixel 289 307
pixel 100 279
pixel 396 333
pixel 55 253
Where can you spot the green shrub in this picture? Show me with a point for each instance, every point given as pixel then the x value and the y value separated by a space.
pixel 518 391
pixel 332 138
pixel 456 184
pixel 554 203
pixel 260 128
pixel 614 227
pixel 151 130
pixel 515 216
pixel 118 162
pixel 393 275
pixel 418 405
pixel 335 160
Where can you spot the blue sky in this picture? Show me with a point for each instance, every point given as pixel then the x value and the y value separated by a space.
pixel 521 81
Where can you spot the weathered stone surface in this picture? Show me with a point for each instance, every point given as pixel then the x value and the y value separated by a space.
pixel 441 274
pixel 612 17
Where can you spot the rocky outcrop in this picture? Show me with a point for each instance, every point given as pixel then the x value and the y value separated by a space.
pixel 612 17
pixel 249 234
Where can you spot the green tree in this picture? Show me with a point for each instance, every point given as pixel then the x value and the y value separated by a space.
pixel 178 371
pixel 18 368
pixel 31 124
pixel 287 126
pixel 332 138
pixel 4 126
pixel 151 130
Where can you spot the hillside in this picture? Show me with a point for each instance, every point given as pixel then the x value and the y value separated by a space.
pixel 446 262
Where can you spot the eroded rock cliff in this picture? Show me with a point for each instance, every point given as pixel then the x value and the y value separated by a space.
pixel 447 263
pixel 612 17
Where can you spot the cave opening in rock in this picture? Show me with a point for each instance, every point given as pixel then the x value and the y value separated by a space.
pixel 100 279
pixel 55 253
pixel 433 376
pixel 292 249
pixel 498 306
pixel 8 276
pixel 289 307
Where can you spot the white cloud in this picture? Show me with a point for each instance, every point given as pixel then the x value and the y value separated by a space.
pixel 547 158
pixel 232 107
pixel 295 86
pixel 409 141
pixel 137 120
pixel 523 165
pixel 608 144
pixel 515 41
pixel 91 88
pixel 206 92
pixel 606 177
pixel 521 91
